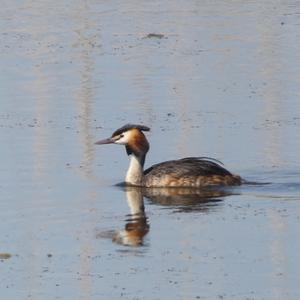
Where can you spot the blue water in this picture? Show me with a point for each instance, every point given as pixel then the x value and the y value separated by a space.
pixel 222 81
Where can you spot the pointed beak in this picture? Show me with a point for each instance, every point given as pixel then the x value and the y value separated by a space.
pixel 105 141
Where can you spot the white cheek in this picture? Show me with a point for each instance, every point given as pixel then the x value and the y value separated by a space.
pixel 124 140
pixel 120 142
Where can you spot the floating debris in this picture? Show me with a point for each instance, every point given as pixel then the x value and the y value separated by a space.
pixel 155 36
pixel 5 255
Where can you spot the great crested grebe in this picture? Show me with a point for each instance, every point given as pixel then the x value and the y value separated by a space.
pixel 185 172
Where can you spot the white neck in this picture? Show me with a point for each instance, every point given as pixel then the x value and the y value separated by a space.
pixel 134 174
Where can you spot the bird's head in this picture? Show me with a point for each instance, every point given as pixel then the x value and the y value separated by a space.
pixel 132 137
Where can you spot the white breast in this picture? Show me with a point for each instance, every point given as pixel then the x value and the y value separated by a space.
pixel 135 171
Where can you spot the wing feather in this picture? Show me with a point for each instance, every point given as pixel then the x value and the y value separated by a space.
pixel 189 166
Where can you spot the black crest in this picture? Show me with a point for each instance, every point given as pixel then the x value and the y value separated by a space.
pixel 130 126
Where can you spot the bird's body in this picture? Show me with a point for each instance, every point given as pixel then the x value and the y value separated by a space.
pixel 186 172
pixel 189 172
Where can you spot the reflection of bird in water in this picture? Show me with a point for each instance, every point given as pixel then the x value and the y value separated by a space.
pixel 184 196
pixel 136 226
pixel 184 199
pixel 186 172
pixel 205 200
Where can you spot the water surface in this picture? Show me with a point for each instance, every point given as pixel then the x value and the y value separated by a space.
pixel 213 78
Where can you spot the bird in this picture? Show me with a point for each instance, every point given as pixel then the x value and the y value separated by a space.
pixel 191 172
